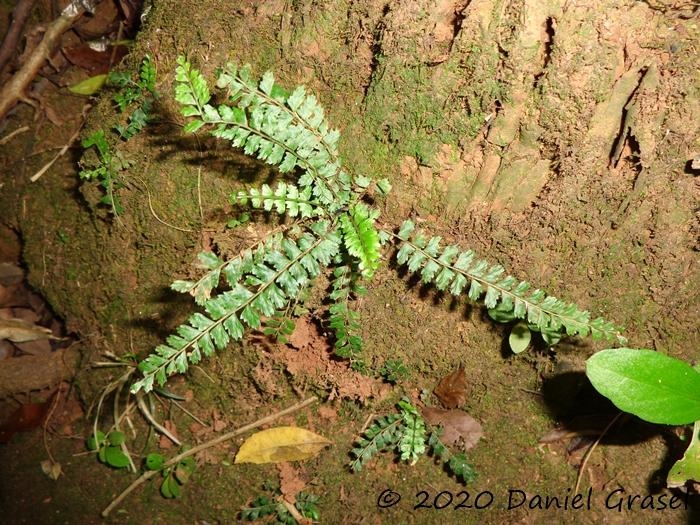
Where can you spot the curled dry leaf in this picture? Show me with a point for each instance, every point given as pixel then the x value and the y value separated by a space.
pixel 51 469
pixel 459 428
pixel 19 331
pixel 452 389
pixel 280 444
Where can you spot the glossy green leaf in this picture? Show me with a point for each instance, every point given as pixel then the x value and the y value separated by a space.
pixel 154 461
pixel 115 457
pixel 648 384
pixel 688 467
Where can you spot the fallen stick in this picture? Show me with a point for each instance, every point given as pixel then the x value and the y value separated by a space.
pixel 224 437
pixel 20 15
pixel 15 89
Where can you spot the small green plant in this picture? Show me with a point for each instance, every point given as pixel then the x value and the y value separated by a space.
pixel 137 95
pixel 394 370
pixel 654 387
pixel 109 448
pixel 104 169
pixel 406 434
pixel 270 508
pixel 174 477
pixel 329 224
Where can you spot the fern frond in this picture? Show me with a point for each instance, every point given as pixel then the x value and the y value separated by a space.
pixel 413 434
pixel 451 269
pixel 361 238
pixel 345 322
pixel 284 199
pixel 457 463
pixel 258 291
pixel 382 435
pixel 191 92
pixel 259 117
pixel 279 327
pixel 232 269
pixel 345 325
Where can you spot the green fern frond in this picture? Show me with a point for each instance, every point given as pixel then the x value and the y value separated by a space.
pixel 382 435
pixel 259 117
pixel 455 271
pixel 413 435
pixel 345 322
pixel 361 238
pixel 457 463
pixel 232 269
pixel 284 199
pixel 279 327
pixel 257 292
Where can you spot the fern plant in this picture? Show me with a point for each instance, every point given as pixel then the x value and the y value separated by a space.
pixel 330 226
pixel 330 229
pixel 406 433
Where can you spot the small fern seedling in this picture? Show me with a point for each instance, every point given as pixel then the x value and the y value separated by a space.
pixel 136 95
pixel 407 434
pixel 330 228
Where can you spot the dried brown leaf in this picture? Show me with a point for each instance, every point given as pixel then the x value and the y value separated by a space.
pixel 459 428
pixel 452 389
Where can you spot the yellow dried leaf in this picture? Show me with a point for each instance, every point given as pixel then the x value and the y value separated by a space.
pixel 278 444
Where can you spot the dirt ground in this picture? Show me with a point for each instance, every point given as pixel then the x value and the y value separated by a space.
pixel 556 138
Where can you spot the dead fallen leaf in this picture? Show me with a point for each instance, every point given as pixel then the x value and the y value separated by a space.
pixel 459 428
pixel 19 331
pixel 51 469
pixel 452 389
pixel 281 444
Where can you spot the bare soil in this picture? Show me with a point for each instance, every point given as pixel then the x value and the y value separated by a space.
pixel 555 138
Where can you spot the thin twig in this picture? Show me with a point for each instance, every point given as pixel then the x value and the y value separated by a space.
pixel 224 437
pixel 54 404
pixel 9 136
pixel 590 451
pixel 149 417
pixel 20 15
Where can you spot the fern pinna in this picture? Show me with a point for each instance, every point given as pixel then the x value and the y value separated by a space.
pixel 330 227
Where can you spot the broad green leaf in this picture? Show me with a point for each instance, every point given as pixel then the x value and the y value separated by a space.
pixel 114 457
pixel 519 338
pixel 116 438
pixel 95 440
pixel 170 488
pixel 650 385
pixel 279 444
